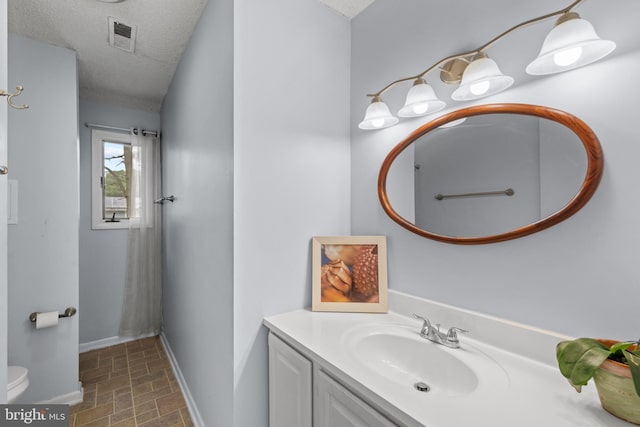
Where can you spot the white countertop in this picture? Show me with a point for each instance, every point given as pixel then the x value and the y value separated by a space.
pixel 527 392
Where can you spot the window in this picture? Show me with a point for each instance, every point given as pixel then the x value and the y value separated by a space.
pixel 111 178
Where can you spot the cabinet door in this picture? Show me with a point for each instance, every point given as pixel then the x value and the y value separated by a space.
pixel 289 386
pixel 338 407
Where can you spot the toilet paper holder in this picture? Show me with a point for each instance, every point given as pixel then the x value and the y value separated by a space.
pixel 70 311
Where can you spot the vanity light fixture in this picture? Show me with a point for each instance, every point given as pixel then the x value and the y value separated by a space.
pixel 421 100
pixel 572 43
pixel 377 116
pixel 481 78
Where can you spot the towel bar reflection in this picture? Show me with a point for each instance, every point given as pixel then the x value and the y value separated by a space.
pixel 163 199
pixel 70 311
pixel 507 192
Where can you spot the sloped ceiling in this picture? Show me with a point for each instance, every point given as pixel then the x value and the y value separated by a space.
pixel 139 80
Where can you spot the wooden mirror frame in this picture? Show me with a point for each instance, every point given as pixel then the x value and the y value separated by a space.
pixel 595 167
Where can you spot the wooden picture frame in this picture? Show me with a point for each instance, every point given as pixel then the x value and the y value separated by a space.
pixel 349 274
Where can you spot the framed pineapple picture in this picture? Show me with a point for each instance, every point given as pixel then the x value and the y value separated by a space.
pixel 349 274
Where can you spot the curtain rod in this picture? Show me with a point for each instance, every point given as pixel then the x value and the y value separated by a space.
pixel 125 130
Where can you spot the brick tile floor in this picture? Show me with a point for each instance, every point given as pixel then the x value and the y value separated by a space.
pixel 129 385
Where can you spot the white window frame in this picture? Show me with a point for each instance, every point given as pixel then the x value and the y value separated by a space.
pixel 97 139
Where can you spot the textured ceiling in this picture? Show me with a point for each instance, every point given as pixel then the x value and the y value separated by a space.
pixel 139 80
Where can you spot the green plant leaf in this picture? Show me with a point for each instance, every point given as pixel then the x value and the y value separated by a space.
pixel 580 358
pixel 634 364
pixel 621 346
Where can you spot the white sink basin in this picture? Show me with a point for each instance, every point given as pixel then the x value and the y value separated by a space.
pixel 511 379
pixel 400 355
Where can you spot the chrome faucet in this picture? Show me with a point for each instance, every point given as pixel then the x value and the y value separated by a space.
pixel 448 339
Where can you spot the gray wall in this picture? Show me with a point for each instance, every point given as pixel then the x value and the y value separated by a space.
pixel 291 169
pixel 103 253
pixel 583 270
pixel 197 149
pixel 43 247
pixel 255 175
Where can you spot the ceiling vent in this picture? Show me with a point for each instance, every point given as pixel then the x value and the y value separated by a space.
pixel 121 35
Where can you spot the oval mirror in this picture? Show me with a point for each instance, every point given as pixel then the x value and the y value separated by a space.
pixel 490 173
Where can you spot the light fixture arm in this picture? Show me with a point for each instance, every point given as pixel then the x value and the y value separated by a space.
pixel 467 56
pixel 527 23
pixel 421 75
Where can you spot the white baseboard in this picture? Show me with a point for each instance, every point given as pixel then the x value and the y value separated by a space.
pixel 69 399
pixel 108 342
pixel 191 404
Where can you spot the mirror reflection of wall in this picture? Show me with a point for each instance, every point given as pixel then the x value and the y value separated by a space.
pixel 543 161
pixel 563 164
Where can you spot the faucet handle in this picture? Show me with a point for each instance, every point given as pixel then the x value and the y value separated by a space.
pixel 424 319
pixel 452 334
pixel 426 325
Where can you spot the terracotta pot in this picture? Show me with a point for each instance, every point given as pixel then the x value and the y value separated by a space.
pixel 615 389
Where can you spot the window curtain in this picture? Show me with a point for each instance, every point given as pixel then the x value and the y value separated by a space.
pixel 142 303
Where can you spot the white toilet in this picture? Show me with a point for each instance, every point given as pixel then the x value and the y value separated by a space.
pixel 17 382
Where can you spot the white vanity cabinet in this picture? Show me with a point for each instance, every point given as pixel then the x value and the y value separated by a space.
pixel 337 369
pixel 335 406
pixel 295 402
pixel 290 385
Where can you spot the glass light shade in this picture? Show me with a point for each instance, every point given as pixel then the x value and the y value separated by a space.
pixel 570 44
pixel 453 123
pixel 421 100
pixel 377 116
pixel 481 78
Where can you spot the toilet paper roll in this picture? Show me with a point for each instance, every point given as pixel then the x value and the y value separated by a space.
pixel 46 320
